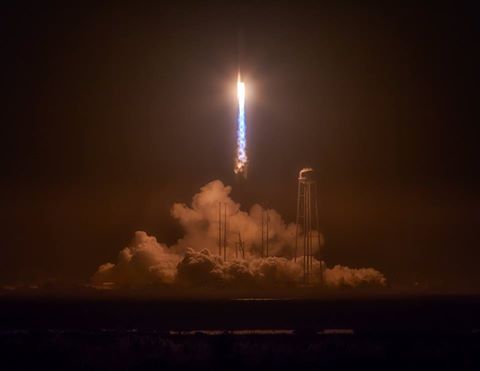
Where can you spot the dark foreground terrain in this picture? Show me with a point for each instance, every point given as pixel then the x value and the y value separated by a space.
pixel 439 332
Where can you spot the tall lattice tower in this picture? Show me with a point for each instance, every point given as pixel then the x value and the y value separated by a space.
pixel 307 231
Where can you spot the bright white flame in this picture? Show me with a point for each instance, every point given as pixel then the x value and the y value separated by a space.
pixel 241 93
pixel 241 158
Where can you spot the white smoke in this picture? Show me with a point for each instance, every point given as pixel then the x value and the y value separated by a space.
pixel 340 276
pixel 200 222
pixel 202 269
pixel 194 259
pixel 144 262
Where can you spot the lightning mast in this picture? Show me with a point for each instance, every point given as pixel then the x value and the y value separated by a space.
pixel 222 230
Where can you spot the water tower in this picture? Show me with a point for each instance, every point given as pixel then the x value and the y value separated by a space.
pixel 307 231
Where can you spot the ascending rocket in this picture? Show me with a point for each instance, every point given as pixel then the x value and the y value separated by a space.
pixel 241 155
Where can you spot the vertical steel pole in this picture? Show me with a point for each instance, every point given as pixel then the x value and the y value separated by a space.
pixel 317 227
pixel 268 221
pixel 298 221
pixel 225 234
pixel 220 229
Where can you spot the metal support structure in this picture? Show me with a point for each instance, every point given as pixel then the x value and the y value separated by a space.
pixel 225 233
pixel 222 230
pixel 239 247
pixel 219 229
pixel 263 238
pixel 307 222
pixel 267 237
pixel 265 245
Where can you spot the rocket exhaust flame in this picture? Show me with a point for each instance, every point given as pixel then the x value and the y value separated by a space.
pixel 241 157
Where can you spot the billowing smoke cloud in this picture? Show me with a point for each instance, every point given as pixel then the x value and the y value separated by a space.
pixel 200 222
pixel 195 261
pixel 202 268
pixel 340 276
pixel 144 262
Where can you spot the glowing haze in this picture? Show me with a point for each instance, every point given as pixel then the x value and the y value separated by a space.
pixel 241 156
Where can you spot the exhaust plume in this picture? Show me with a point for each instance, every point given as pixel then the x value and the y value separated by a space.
pixel 241 156
pixel 194 261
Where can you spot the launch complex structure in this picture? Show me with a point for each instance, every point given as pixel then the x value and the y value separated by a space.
pixel 222 235
pixel 307 232
pixel 223 232
pixel 308 239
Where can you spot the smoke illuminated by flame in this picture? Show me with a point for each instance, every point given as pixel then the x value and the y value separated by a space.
pixel 241 158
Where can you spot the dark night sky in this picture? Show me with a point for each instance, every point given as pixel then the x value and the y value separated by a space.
pixel 111 113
